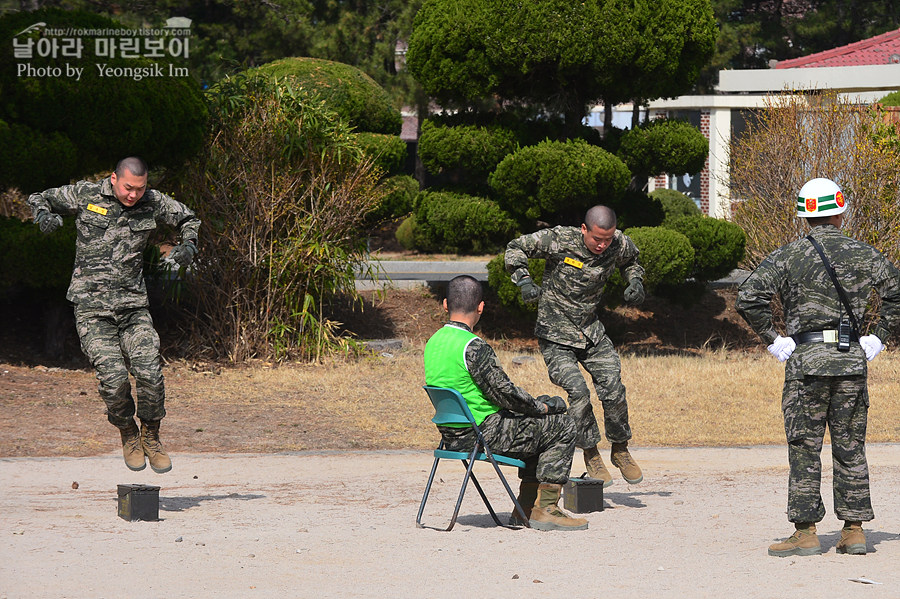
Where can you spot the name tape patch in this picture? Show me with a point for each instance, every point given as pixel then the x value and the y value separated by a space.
pixel 97 209
pixel 573 262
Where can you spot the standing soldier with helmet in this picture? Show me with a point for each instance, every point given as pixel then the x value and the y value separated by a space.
pixel 114 219
pixel 569 331
pixel 824 282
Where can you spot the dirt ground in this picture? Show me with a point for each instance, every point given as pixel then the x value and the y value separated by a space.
pixel 40 394
pixel 342 524
pixel 240 516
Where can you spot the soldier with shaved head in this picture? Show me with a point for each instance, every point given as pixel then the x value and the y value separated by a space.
pixel 579 262
pixel 114 219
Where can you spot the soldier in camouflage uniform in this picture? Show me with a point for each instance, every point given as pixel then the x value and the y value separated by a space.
pixel 534 430
pixel 114 219
pixel 579 261
pixel 823 385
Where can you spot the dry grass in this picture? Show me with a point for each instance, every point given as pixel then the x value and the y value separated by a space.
pixel 711 399
pixel 715 399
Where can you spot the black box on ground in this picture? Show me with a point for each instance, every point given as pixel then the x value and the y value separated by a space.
pixel 138 502
pixel 582 495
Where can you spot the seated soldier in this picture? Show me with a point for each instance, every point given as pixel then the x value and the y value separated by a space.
pixel 534 430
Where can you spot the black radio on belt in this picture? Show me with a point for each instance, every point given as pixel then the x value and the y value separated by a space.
pixel 844 334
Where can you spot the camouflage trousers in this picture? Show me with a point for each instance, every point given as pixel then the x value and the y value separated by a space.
pixel 602 363
pixel 545 443
pixel 116 343
pixel 841 403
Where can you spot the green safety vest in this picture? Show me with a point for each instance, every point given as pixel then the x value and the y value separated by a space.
pixel 445 366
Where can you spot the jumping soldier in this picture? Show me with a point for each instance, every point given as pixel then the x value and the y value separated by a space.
pixel 578 264
pixel 114 219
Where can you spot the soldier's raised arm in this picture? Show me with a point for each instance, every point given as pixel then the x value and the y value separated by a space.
pixel 47 206
pixel 176 214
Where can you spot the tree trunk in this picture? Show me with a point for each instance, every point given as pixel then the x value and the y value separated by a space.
pixel 421 115
pixel 607 118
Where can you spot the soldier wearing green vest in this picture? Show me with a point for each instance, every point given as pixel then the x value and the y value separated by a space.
pixel 114 219
pixel 534 430
pixel 825 355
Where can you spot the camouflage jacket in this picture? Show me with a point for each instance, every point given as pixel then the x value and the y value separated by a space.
pixel 574 279
pixel 488 374
pixel 795 273
pixel 109 249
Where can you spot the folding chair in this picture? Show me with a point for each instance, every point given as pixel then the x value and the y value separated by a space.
pixel 451 408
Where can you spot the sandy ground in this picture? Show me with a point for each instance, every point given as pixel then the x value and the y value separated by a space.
pixel 343 525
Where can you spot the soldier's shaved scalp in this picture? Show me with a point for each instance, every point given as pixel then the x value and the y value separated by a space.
pixel 600 216
pixel 464 293
pixel 133 165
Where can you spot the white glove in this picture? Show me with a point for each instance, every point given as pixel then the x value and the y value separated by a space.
pixel 872 346
pixel 783 347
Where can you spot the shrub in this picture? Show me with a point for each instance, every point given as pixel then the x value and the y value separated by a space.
pixel 399 193
pixel 94 121
pixel 666 255
pixel 34 261
pixel 636 209
pixel 892 99
pixel 406 232
pixel 355 96
pixel 458 223
pixel 794 140
pixel 283 226
pixel 506 290
pixel 25 154
pixel 388 151
pixel 558 177
pixel 474 149
pixel 664 146
pixel 718 245
pixel 675 204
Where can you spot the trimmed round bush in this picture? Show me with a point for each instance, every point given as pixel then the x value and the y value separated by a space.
pixel 475 149
pixel 554 177
pixel 718 245
pixel 388 151
pixel 355 96
pixel 406 232
pixel 666 255
pixel 96 120
pixel 25 154
pixel 32 260
pixel 664 146
pixel 401 191
pixel 675 204
pixel 636 209
pixel 460 224
pixel 506 290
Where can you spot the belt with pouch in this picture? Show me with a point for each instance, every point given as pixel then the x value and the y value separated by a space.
pixel 826 336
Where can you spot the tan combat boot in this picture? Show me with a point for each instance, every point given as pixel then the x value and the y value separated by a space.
pixel 622 460
pixel 528 491
pixel 853 539
pixel 131 447
pixel 547 516
pixel 803 542
pixel 595 466
pixel 153 449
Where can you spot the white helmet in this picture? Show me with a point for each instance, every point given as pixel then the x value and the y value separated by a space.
pixel 820 197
